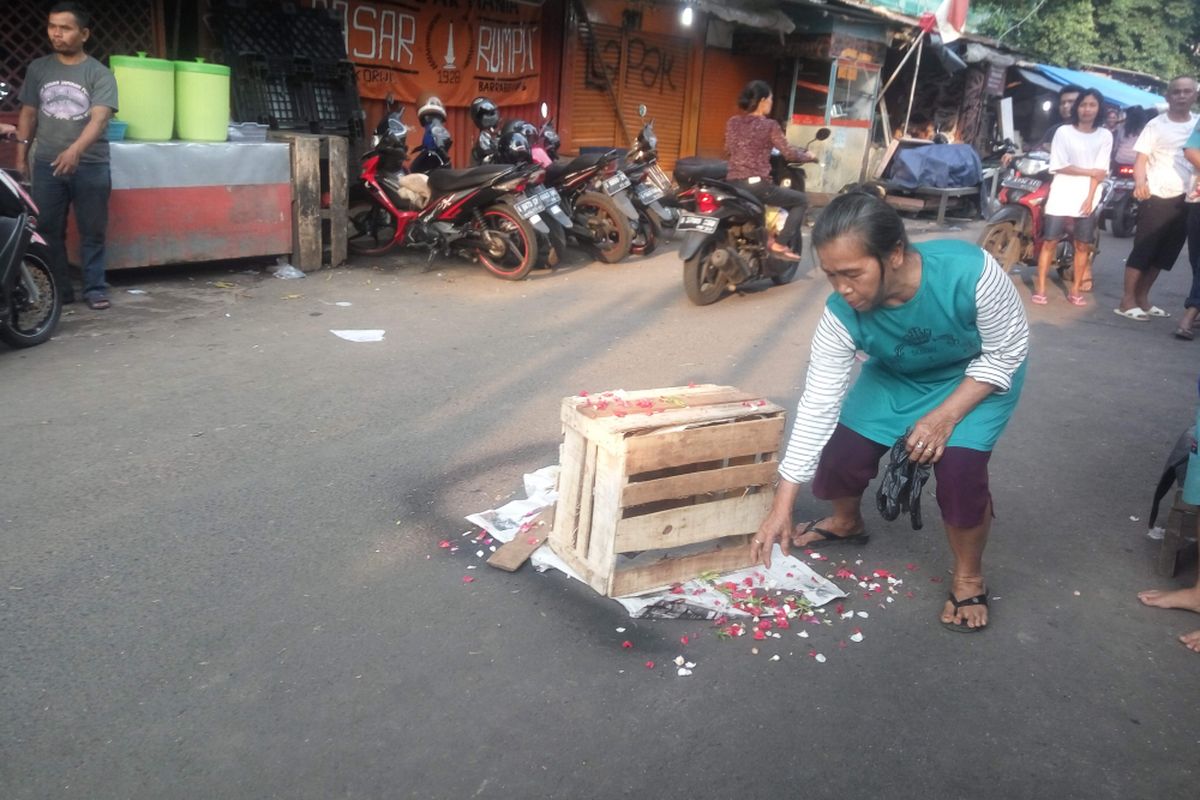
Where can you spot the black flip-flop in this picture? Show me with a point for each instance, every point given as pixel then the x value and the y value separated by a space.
pixel 828 538
pixel 961 627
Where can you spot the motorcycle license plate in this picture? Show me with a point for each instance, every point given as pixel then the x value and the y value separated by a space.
pixel 1025 184
pixel 692 222
pixel 530 206
pixel 648 193
pixel 549 197
pixel 616 183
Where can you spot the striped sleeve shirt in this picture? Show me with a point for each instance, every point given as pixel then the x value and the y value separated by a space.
pixel 1003 332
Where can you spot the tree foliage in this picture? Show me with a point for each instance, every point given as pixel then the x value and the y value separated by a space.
pixel 1156 36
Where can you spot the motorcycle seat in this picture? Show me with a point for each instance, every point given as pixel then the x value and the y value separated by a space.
pixel 442 181
pixel 565 166
pixel 691 169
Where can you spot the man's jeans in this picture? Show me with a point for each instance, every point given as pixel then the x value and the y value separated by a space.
pixel 87 191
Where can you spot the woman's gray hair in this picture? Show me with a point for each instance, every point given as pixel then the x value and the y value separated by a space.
pixel 876 225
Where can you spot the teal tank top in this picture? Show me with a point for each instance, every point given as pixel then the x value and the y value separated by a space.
pixel 919 351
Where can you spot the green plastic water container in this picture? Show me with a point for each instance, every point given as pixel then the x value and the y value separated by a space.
pixel 201 101
pixel 146 94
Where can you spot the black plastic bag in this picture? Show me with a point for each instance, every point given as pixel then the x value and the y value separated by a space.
pixel 900 489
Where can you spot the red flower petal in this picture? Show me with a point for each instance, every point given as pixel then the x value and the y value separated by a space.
pixel 841 609
pixel 649 665
pixel 935 579
pixel 583 394
pixel 758 634
pixel 677 589
pixel 683 640
pixel 444 544
pixel 910 567
pixel 468 579
pixel 764 625
pixel 628 645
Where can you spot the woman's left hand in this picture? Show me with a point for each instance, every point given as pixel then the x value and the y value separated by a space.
pixel 928 439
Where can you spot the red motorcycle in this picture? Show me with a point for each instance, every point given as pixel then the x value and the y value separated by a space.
pixel 481 213
pixel 1013 234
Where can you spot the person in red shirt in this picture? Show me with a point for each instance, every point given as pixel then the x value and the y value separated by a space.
pixel 749 138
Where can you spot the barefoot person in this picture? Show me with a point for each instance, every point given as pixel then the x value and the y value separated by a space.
pixel 1187 599
pixel 946 336
pixel 1079 159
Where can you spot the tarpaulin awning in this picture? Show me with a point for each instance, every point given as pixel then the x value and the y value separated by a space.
pixel 1121 94
pixel 1038 79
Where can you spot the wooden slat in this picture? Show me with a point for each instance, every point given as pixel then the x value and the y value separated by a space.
pixel 664 530
pixel 306 203
pixel 566 517
pixel 693 483
pixel 673 448
pixel 338 207
pixel 660 403
pixel 587 493
pixel 611 433
pixel 511 555
pixel 730 555
pixel 606 514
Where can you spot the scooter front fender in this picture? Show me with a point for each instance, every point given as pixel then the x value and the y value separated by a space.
pixel 539 224
pixel 623 202
pixel 560 216
pixel 660 213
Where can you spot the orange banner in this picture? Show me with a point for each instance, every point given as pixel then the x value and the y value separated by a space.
pixel 456 49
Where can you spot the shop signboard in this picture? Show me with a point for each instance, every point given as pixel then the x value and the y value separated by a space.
pixel 457 49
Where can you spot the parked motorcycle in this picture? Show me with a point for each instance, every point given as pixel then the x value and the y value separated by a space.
pixel 1121 207
pixel 481 213
pixel 728 228
pixel 30 305
pixel 1013 234
pixel 650 186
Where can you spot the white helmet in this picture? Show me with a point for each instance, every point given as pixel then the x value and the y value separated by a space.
pixel 433 109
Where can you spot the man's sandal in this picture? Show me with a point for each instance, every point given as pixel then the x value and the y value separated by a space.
pixel 962 627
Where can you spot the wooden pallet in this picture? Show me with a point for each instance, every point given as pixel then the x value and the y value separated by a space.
pixel 320 190
pixel 678 477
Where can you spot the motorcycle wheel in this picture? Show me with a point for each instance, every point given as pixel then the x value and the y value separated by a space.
pixel 1003 241
pixel 371 229
pixel 611 235
pixel 703 282
pixel 645 238
pixel 30 324
pixel 1124 218
pixel 519 249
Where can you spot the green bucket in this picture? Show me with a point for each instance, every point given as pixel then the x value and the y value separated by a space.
pixel 201 101
pixel 146 95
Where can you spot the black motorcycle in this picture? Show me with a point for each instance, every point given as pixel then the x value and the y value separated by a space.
pixel 649 186
pixel 727 228
pixel 30 305
pixel 1120 209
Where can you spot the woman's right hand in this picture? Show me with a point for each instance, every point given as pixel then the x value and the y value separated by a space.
pixel 777 527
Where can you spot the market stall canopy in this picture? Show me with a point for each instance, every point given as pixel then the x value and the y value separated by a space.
pixel 1114 91
pixel 751 15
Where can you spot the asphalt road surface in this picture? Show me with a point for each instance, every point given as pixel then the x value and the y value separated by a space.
pixel 221 575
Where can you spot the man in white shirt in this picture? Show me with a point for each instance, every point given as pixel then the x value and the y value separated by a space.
pixel 1161 175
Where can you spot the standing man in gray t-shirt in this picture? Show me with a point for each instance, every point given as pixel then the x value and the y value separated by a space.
pixel 66 101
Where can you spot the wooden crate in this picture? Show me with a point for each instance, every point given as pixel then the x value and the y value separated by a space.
pixel 320 192
pixel 678 476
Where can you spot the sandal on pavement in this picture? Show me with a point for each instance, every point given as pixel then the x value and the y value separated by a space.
pixel 1086 285
pixel 962 627
pixel 1039 299
pixel 1155 311
pixel 97 302
pixel 1135 314
pixel 1185 334
pixel 828 538
pixel 1076 300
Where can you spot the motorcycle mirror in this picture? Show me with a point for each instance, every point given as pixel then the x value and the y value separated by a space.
pixel 822 134
pixel 642 110
pixel 545 110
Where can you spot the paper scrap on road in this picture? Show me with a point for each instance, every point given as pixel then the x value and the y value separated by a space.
pixel 372 335
pixel 696 599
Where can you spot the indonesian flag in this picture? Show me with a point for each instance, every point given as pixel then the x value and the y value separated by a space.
pixel 950 19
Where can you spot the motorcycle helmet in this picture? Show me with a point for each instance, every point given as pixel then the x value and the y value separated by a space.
pixel 551 141
pixel 514 148
pixel 433 110
pixel 485 148
pixel 437 138
pixel 393 133
pixel 484 113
